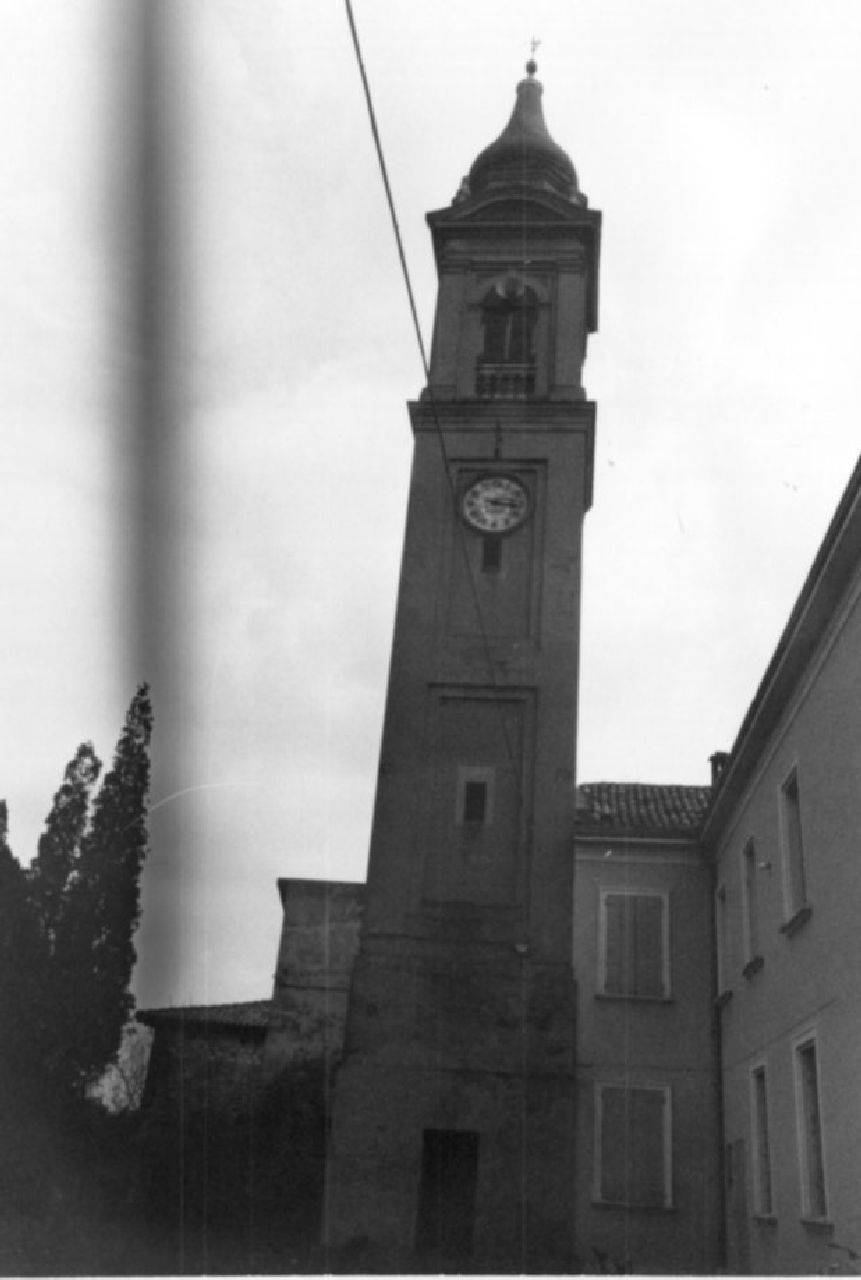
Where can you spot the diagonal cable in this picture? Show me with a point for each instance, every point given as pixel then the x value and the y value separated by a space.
pixel 430 396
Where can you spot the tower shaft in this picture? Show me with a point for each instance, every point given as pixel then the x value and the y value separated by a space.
pixel 453 1121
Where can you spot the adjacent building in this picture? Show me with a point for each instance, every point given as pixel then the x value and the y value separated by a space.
pixel 783 835
pixel 648 1192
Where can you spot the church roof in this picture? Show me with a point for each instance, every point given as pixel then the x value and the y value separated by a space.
pixel 641 808
pixel 249 1015
pixel 524 154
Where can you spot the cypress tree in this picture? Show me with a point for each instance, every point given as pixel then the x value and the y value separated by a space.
pixel 60 844
pixel 92 952
pixel 66 923
pixel 18 947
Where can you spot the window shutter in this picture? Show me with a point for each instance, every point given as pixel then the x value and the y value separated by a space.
pixel 795 843
pixel 646 1162
pixel 762 1152
pixel 614 1152
pixel 647 930
pixel 815 1206
pixel 615 955
pixel 634 945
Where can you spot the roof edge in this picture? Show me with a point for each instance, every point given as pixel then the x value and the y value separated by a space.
pixel 241 1015
pixel 640 811
pixel 317 885
pixel 826 581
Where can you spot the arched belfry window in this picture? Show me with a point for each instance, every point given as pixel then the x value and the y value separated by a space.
pixel 506 366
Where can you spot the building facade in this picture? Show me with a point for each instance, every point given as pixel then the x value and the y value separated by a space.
pixel 783 835
pixel 648 1191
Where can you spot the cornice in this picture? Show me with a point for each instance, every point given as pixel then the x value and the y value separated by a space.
pixel 810 621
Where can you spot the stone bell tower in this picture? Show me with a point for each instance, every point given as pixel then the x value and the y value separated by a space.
pixel 453 1117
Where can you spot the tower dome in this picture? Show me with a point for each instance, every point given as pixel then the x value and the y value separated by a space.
pixel 524 154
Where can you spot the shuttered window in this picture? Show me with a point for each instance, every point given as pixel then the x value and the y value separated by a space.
pixel 795 869
pixel 750 903
pixel 634 955
pixel 814 1204
pixel 722 939
pixel 762 1192
pixel 633 1146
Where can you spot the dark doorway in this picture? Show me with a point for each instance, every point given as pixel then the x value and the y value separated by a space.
pixel 446 1215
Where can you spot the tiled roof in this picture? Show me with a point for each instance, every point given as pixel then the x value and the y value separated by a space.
pixel 641 808
pixel 250 1015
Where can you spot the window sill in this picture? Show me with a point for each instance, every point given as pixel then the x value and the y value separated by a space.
pixel 723 999
pixel 794 923
pixel 633 1208
pixel 753 966
pixel 613 997
pixel 818 1224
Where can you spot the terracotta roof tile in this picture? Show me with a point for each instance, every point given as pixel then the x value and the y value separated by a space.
pixel 641 808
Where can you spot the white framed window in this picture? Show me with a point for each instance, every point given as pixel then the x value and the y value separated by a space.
pixel 811 1150
pixel 792 838
pixel 763 1190
pixel 475 796
pixel 634 944
pixel 722 939
pixel 750 906
pixel 633 1146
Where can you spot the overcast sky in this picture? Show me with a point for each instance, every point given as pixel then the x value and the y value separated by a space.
pixel 722 143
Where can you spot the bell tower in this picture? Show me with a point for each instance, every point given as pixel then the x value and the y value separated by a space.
pixel 453 1117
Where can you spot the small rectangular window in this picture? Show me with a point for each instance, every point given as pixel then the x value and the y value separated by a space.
pixel 474 801
pixel 762 1187
pixel 634 957
pixel 633 1146
pixel 793 846
pixel 750 904
pixel 811 1156
pixel 491 554
pixel 475 796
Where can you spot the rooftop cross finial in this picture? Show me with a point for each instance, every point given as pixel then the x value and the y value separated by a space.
pixel 532 66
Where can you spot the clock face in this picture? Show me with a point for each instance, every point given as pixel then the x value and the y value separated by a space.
pixel 495 504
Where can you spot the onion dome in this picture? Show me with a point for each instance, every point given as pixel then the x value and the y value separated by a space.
pixel 524 154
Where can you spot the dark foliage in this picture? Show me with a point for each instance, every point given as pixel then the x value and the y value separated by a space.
pixel 66 924
pixel 60 843
pixel 243 1180
pixel 18 943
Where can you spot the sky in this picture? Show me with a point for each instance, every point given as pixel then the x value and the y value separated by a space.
pixel 721 143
